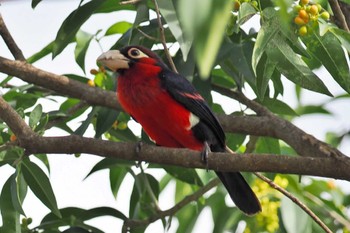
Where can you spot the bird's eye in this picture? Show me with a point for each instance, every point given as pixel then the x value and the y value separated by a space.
pixel 136 53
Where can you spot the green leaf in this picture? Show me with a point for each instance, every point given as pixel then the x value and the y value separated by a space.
pixel 142 13
pixel 83 127
pixel 116 177
pixel 35 3
pixel 83 40
pixel 109 163
pixel 295 220
pixel 343 37
pixel 17 190
pixel 268 30
pixel 312 109
pixel 118 28
pixel 292 66
pixel 105 119
pixel 35 116
pixel 246 11
pixel 328 50
pixel 189 176
pixel 169 12
pixel 83 214
pixel 144 195
pixel 268 145
pixel 72 24
pixel 265 70
pixel 205 21
pixel 277 106
pixel 10 217
pixel 40 184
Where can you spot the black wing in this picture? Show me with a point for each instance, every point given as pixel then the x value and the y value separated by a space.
pixel 185 93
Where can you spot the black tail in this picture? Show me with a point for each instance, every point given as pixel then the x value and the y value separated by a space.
pixel 240 192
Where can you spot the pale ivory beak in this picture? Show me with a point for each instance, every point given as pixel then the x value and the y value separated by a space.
pixel 113 60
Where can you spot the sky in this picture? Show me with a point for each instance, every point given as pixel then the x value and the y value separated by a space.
pixel 34 29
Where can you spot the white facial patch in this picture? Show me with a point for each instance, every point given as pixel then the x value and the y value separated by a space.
pixel 194 120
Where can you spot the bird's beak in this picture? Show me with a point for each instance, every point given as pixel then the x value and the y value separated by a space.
pixel 113 60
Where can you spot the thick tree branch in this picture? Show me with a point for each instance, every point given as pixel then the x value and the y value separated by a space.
pixel 301 142
pixel 34 143
pixel 9 41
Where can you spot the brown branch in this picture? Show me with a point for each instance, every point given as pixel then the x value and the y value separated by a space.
pixel 338 14
pixel 134 223
pixel 162 37
pixel 9 41
pixel 34 144
pixel 59 83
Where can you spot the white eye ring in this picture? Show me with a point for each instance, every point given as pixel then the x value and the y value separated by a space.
pixel 136 53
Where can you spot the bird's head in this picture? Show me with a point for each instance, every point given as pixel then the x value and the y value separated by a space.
pixel 127 57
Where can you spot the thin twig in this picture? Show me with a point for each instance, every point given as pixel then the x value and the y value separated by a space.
pixel 295 200
pixel 10 42
pixel 129 2
pixel 146 35
pixel 162 36
pixel 339 14
pixel 133 223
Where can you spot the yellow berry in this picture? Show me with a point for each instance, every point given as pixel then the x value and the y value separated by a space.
pixel 122 125
pixel 254 3
pixel 304 2
pixel 325 15
pixel 299 21
pixel 314 10
pixel 303 31
pixel 331 184
pixel 297 8
pixel 304 15
pixel 236 5
pixel 319 7
pixel 91 83
pixel 13 138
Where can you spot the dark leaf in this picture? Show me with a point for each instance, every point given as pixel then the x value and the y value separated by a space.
pixel 40 184
pixel 189 176
pixel 105 119
pixel 278 107
pixel 10 216
pixel 35 3
pixel 329 51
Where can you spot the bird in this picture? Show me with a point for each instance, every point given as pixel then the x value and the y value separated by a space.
pixel 172 112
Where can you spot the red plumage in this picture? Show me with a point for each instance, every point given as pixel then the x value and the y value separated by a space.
pixel 163 119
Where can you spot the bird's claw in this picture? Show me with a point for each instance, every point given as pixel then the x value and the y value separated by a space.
pixel 138 148
pixel 205 154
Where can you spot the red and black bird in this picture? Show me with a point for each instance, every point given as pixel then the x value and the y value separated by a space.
pixel 172 112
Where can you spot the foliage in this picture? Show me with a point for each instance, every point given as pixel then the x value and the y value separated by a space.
pixel 209 34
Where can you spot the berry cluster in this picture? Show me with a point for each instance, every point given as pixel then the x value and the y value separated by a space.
pixel 308 15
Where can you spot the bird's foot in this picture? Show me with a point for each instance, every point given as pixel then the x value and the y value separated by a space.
pixel 138 148
pixel 205 154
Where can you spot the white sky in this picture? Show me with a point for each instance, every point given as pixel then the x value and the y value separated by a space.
pixel 34 29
